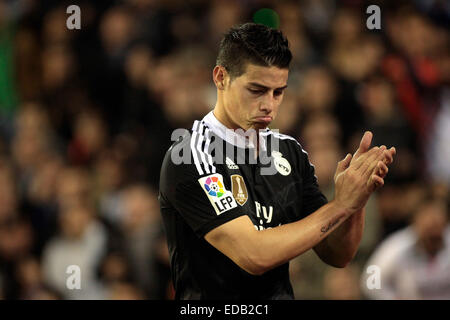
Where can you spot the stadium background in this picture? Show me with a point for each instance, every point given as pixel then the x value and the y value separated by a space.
pixel 86 116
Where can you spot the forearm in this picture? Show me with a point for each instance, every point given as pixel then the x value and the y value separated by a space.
pixel 279 245
pixel 339 248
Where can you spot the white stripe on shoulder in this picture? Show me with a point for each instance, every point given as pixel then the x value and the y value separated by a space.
pixel 208 155
pixel 204 159
pixel 194 150
pixel 199 148
pixel 284 137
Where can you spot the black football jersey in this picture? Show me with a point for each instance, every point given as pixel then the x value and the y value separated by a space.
pixel 212 175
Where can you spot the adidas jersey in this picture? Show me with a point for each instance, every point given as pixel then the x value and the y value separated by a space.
pixel 213 186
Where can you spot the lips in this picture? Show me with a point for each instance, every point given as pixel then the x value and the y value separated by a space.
pixel 263 119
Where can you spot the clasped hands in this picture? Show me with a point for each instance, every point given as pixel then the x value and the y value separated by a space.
pixel 358 176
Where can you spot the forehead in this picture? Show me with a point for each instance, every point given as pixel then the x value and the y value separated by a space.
pixel 271 77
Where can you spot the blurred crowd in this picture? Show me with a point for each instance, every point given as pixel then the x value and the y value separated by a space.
pixel 87 115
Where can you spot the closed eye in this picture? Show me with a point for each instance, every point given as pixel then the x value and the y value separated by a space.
pixel 256 91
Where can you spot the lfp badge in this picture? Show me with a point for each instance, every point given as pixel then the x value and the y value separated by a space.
pixel 214 187
pixel 221 199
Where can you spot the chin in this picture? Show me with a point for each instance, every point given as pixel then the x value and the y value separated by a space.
pixel 260 125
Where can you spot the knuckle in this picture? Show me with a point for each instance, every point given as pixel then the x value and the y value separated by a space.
pixel 351 174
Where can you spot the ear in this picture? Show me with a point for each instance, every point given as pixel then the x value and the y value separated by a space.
pixel 219 76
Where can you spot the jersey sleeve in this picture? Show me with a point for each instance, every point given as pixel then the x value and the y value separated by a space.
pixel 203 200
pixel 313 198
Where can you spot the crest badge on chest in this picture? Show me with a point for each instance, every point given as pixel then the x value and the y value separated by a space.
pixel 239 189
pixel 281 164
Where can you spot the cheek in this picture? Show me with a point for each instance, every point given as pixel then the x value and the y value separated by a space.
pixel 250 103
pixel 275 110
pixel 242 104
pixel 237 103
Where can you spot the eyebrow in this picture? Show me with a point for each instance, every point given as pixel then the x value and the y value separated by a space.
pixel 264 87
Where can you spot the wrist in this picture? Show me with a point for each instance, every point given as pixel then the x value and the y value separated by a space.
pixel 341 208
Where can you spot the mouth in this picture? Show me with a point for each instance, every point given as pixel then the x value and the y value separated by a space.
pixel 263 119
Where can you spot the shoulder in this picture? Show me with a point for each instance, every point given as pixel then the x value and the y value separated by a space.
pixel 282 137
pixel 396 244
pixel 401 239
pixel 189 155
pixel 286 140
pixel 290 147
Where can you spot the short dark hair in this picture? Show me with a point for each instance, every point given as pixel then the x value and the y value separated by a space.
pixel 253 43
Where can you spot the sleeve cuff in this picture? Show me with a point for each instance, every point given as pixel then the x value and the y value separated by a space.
pixel 219 220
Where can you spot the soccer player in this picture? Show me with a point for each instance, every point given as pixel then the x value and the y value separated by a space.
pixel 233 220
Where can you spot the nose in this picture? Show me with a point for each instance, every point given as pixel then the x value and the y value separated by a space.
pixel 268 104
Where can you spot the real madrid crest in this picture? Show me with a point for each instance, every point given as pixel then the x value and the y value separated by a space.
pixel 239 189
pixel 281 164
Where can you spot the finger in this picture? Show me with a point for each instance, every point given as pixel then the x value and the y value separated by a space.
pixel 393 150
pixel 342 165
pixel 382 169
pixel 364 145
pixel 364 157
pixel 388 156
pixel 371 162
pixel 375 182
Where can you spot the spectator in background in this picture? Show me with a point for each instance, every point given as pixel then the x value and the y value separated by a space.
pixel 292 23
pixel 413 67
pixel 125 291
pixel 9 201
pixel 415 262
pixel 384 117
pixel 438 150
pixel 31 283
pixel 117 276
pixel 16 241
pixel 89 138
pixel 397 203
pixel 317 91
pixel 109 178
pixel 222 16
pixel 82 242
pixel 140 225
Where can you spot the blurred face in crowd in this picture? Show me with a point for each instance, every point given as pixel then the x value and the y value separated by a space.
pixel 252 99
pixel 430 223
pixel 74 221
pixel 140 207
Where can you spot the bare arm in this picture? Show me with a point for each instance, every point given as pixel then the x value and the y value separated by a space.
pixel 339 248
pixel 259 251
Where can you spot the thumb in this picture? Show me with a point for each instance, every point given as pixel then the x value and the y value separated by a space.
pixel 364 145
